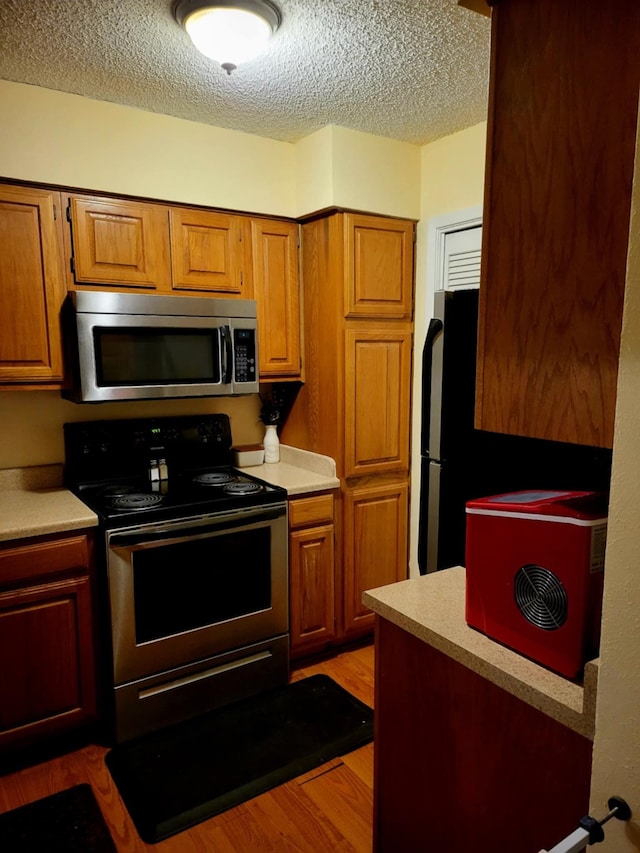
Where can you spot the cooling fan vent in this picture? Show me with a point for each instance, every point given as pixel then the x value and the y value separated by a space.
pixel 541 597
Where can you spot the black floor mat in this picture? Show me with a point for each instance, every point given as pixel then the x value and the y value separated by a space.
pixel 177 777
pixel 69 821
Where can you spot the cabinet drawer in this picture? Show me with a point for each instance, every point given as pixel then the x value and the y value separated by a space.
pixel 40 558
pixel 313 510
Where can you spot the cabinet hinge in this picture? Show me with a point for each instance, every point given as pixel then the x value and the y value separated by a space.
pixel 72 265
pixel 241 279
pixel 69 212
pixel 55 212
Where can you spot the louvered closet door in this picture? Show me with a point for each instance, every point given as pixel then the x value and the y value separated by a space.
pixel 462 250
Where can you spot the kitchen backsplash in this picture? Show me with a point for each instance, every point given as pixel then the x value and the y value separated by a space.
pixel 31 421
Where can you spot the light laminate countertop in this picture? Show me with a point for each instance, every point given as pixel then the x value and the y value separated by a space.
pixel 432 608
pixel 33 501
pixel 298 471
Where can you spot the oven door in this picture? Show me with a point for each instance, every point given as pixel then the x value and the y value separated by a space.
pixel 187 590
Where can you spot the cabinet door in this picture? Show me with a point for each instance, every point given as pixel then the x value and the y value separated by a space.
pixel 312 591
pixel 378 267
pixel 31 285
pixel 375 546
pixel 122 243
pixel 275 281
pixel 560 158
pixel 46 659
pixel 207 251
pixel 450 745
pixel 377 398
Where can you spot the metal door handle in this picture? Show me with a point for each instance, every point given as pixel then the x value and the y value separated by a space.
pixel 590 830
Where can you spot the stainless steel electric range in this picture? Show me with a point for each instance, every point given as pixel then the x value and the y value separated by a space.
pixel 193 567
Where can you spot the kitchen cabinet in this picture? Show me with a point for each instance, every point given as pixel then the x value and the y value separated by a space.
pixel 311 573
pixel 31 286
pixel 560 153
pixel 461 764
pixel 357 274
pixel 274 244
pixel 120 242
pixel 377 398
pixel 207 251
pixel 47 667
pixel 376 519
pixel 379 267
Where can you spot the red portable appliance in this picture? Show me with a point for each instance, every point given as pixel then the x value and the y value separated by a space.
pixel 534 564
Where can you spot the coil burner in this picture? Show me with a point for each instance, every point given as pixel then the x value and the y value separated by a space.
pixel 134 501
pixel 213 478
pixel 243 488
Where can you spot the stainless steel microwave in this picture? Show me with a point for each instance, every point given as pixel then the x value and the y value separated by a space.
pixel 122 346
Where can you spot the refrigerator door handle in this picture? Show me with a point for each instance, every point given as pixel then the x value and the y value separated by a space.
pixel 429 526
pixel 431 394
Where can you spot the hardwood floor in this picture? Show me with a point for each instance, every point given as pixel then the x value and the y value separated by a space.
pixel 329 808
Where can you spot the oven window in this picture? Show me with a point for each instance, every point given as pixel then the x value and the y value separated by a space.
pixel 201 582
pixel 156 356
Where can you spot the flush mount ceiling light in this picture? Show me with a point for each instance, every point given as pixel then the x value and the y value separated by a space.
pixel 228 31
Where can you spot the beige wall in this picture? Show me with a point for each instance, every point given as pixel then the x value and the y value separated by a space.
pixel 57 138
pixel 31 431
pixel 337 167
pixel 616 758
pixel 452 179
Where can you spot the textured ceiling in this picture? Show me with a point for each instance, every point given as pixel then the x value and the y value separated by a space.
pixel 413 70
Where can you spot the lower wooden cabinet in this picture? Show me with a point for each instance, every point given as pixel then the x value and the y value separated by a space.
pixel 311 573
pixel 374 545
pixel 462 765
pixel 47 658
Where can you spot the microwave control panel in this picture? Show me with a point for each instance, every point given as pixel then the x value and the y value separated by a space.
pixel 244 347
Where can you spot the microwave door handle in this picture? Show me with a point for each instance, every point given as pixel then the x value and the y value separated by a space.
pixel 227 355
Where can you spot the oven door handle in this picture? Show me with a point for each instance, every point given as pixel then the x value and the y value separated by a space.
pixel 153 536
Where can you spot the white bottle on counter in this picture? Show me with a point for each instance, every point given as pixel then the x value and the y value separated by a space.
pixel 271 444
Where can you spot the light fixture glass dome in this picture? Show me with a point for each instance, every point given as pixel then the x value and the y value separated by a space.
pixel 229 32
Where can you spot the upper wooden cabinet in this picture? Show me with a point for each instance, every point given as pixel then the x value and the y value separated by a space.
pixel 274 244
pixel 560 154
pixel 31 285
pixel 378 261
pixel 207 251
pixel 118 242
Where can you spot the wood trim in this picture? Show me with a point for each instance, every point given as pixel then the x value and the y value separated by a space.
pixel 482 7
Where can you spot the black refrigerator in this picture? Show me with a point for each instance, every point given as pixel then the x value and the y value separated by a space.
pixel 460 463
